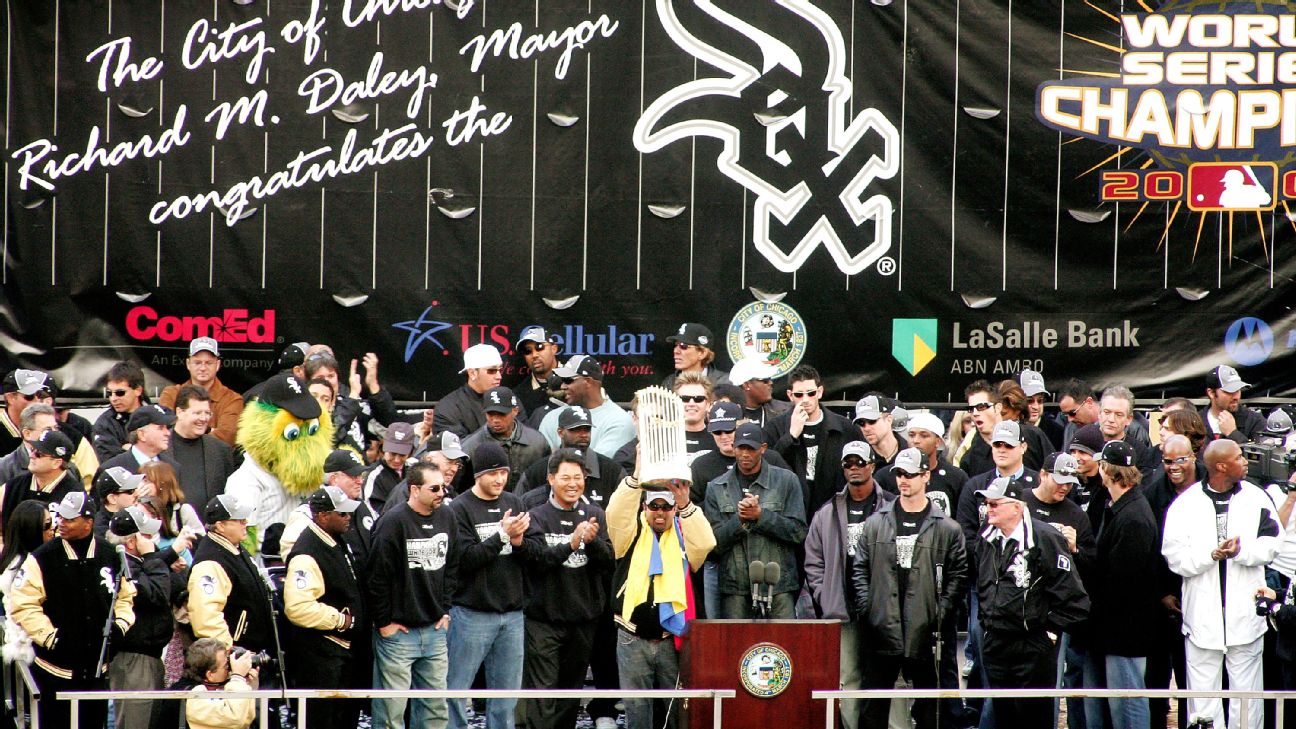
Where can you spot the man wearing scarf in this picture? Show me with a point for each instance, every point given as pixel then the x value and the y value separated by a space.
pixel 658 537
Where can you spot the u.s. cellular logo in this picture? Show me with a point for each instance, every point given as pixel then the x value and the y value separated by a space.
pixel 801 155
pixel 913 343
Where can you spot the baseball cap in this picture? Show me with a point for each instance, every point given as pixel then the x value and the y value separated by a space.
pixel 294 355
pixel 909 461
pixel 1278 422
pixel 499 400
pixel 573 417
pixel 53 443
pixel 116 480
pixel 134 520
pixel 75 504
pixel 748 434
pixel 1088 439
pixel 489 456
pixel 204 344
pixel 692 333
pixel 581 365
pixel 899 418
pixel 1003 488
pixel 289 392
pixel 225 507
pixel 1032 383
pixel 858 448
pixel 871 407
pixel 750 368
pixel 480 356
pixel 723 417
pixel 651 495
pixel 149 415
pixel 1007 431
pixel 1117 453
pixel 28 382
pixel 1225 378
pixel 927 422
pixel 331 498
pixel 399 438
pixel 534 333
pixel 1063 467
pixel 344 461
pixel 449 445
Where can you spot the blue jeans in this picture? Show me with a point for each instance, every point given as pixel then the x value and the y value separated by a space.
pixel 647 664
pixel 413 660
pixel 498 640
pixel 1126 672
pixel 711 588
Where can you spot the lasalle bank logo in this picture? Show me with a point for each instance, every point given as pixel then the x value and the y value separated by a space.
pixel 1198 101
pixel 802 155
pixel 913 343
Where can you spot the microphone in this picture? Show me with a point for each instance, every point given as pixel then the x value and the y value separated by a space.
pixel 125 563
pixel 772 574
pixel 940 580
pixel 756 573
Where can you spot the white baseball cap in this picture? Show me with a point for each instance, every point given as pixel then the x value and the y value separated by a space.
pixel 927 422
pixel 480 356
pixel 750 368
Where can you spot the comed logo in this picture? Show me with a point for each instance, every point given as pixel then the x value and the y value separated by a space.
pixel 913 343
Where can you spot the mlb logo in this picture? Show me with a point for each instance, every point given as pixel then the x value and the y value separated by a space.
pixel 1231 186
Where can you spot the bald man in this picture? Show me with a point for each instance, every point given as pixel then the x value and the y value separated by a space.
pixel 1219 534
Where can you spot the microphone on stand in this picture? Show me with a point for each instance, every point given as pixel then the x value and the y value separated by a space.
pixel 125 561
pixel 772 574
pixel 756 572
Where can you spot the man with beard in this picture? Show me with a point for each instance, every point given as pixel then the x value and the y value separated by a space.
pixel 523 443
pixel 830 549
pixel 756 379
pixel 445 451
pixel 927 434
pixel 873 416
pixel 540 353
pixel 1225 416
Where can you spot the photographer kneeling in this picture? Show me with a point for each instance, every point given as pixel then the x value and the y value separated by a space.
pixel 210 668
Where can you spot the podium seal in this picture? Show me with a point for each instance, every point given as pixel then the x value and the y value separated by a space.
pixel 765 670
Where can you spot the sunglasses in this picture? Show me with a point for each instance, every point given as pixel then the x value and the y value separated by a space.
pixel 981 407
pixel 1071 413
pixel 766 380
pixel 115 393
pixel 433 489
pixel 1001 444
pixel 854 462
pixel 1180 461
pixel 807 393
pixel 534 347
pixel 681 345
pixel 659 506
pixel 693 398
pixel 866 421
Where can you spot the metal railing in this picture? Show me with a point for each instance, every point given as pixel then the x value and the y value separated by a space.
pixel 1244 705
pixel 264 696
pixel 21 695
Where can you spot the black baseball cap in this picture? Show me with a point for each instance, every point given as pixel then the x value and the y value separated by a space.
pixel 344 461
pixel 723 417
pixel 573 417
pixel 225 507
pixel 693 333
pixel 150 414
pixel 54 444
pixel 1117 453
pixel 581 365
pixel 294 355
pixel 748 434
pixel 289 392
pixel 134 520
pixel 116 480
pixel 1088 439
pixel 499 400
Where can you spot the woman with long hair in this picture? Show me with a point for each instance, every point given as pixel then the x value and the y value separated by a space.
pixel 169 498
pixel 30 526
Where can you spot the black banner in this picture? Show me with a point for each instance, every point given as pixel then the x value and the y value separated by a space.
pixel 906 195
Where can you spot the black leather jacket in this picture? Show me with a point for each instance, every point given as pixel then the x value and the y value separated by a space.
pixel 940 542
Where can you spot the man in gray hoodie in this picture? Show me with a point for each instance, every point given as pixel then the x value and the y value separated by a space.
pixel 829 555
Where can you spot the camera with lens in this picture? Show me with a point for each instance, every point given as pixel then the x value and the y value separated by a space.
pixel 1269 460
pixel 259 660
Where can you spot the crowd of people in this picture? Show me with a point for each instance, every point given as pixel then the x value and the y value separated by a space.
pixel 308 534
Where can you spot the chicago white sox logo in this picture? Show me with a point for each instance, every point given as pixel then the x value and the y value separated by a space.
pixel 803 157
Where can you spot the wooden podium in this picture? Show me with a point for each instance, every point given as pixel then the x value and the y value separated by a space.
pixel 718 653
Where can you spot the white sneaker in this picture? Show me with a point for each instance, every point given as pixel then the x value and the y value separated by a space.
pixel 605 722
